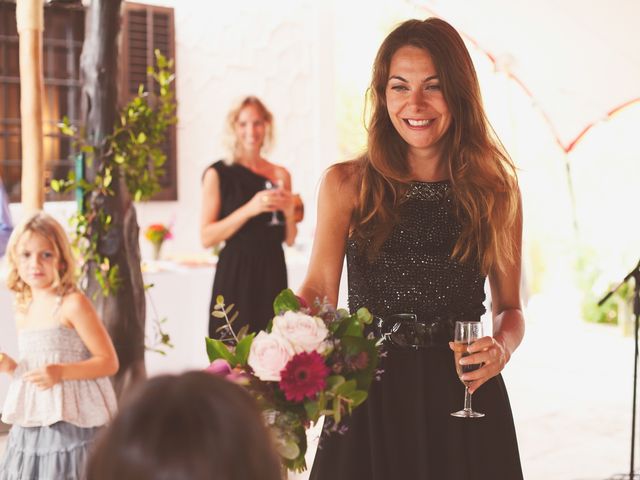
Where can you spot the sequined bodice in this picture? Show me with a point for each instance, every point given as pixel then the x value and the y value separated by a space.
pixel 414 271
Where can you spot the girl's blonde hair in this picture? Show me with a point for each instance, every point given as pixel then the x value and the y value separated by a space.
pixel 232 118
pixel 483 177
pixel 46 226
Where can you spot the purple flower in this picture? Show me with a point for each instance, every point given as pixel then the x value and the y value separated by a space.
pixel 219 367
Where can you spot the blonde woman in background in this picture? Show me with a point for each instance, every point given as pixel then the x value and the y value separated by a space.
pixel 248 205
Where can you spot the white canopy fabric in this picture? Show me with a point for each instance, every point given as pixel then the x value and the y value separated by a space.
pixel 578 61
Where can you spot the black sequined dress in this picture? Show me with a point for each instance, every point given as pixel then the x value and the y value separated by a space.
pixel 404 430
pixel 251 268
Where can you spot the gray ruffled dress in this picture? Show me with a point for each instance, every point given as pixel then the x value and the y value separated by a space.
pixel 52 429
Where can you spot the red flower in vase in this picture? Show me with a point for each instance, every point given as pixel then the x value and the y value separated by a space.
pixel 303 376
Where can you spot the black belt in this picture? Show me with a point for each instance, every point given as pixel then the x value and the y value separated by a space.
pixel 408 331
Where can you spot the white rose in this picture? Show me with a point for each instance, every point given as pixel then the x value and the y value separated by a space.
pixel 268 356
pixel 306 333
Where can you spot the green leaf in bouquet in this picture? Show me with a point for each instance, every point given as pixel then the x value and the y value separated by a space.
pixel 222 328
pixel 243 348
pixel 298 464
pixel 218 314
pixel 243 332
pixel 313 410
pixel 337 413
pixel 216 349
pixel 347 388
pixel 357 397
pixel 286 301
pixel 322 402
pixel 349 326
pixel 233 317
pixel 355 327
pixel 364 316
pixel 228 308
pixel 334 381
pixel 353 346
pixel 289 450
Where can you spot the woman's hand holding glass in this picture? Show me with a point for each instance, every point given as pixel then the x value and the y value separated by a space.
pixel 280 199
pixel 269 200
pixel 488 352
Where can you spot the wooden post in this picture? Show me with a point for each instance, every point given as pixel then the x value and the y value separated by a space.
pixel 30 20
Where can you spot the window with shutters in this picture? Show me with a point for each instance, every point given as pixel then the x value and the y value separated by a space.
pixel 62 44
pixel 146 28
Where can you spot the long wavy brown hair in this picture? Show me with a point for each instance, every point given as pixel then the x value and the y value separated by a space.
pixel 483 178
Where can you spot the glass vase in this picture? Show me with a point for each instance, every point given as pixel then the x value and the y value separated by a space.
pixel 155 254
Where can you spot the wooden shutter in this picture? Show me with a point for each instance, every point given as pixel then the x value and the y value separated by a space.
pixel 62 41
pixel 145 28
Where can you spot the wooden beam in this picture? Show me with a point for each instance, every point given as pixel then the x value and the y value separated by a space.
pixel 30 20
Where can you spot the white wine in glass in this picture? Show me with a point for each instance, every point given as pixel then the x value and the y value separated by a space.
pixel 465 334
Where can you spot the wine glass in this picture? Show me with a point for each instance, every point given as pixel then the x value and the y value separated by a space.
pixel 269 185
pixel 465 334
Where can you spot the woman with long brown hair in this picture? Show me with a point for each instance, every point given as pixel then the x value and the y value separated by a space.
pixel 424 216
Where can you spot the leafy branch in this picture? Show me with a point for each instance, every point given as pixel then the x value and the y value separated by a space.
pixel 160 338
pixel 133 152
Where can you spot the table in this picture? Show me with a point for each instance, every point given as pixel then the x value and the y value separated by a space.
pixel 181 295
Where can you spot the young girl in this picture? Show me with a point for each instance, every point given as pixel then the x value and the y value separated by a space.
pixel 60 394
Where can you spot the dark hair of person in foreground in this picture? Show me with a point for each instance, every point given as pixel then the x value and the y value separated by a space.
pixel 193 426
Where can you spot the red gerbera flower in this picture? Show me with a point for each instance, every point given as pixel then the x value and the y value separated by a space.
pixel 303 376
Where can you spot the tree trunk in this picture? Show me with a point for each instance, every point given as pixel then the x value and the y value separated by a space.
pixel 123 312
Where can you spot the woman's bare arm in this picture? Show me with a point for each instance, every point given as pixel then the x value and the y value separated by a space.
pixel 214 230
pixel 336 202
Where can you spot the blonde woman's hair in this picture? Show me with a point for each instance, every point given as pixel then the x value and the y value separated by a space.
pixel 46 226
pixel 483 178
pixel 232 118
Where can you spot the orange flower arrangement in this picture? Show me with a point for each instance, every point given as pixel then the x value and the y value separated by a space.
pixel 157 233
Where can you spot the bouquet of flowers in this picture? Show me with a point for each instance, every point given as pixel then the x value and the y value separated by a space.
pixel 302 367
pixel 157 233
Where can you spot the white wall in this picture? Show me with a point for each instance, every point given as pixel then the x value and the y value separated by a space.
pixel 280 51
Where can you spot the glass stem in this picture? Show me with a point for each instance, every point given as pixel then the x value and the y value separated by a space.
pixel 467 400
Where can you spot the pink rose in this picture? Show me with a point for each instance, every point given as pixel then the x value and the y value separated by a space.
pixel 268 356
pixel 304 332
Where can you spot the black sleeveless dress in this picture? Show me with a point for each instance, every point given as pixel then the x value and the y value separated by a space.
pixel 404 430
pixel 251 269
